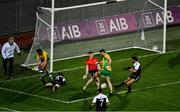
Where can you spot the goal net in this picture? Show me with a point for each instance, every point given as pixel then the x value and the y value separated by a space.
pixel 113 25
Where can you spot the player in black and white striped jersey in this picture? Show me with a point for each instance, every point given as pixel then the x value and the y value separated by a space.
pixel 101 101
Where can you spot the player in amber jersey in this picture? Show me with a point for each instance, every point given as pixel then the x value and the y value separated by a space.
pixel 92 67
pixel 42 61
pixel 106 69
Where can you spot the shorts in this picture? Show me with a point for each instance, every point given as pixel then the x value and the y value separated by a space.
pixel 93 73
pixel 135 77
pixel 106 73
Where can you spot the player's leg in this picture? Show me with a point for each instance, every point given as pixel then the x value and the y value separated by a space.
pixel 97 82
pixel 122 83
pixel 5 61
pixel 96 76
pixel 109 84
pixel 44 74
pixel 129 84
pixel 11 62
pixel 134 78
pixel 107 75
pixel 55 86
pixel 47 72
pixel 88 82
pixel 49 84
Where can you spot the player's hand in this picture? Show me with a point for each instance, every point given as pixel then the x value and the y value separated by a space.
pixel 84 76
pixel 97 63
pixel 108 68
pixel 127 68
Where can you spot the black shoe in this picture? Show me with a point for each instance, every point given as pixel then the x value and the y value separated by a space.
pixel 5 73
pixel 129 91
pixel 10 77
pixel 110 94
pixel 116 87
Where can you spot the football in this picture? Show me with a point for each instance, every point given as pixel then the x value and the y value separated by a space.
pixel 103 85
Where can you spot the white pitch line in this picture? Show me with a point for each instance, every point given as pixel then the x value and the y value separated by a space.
pixel 155 86
pixel 144 56
pixel 19 78
pixel 76 68
pixel 64 70
pixel 79 100
pixel 135 90
pixel 29 94
pixel 8 109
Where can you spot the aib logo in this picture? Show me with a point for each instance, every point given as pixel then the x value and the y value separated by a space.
pixel 55 34
pixel 148 19
pixel 101 27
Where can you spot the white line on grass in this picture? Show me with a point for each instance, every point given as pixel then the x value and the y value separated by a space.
pixel 8 109
pixel 76 68
pixel 135 90
pixel 29 94
pixel 20 78
pixel 79 100
pixel 64 70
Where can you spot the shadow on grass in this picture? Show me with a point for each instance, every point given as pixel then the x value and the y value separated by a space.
pixel 150 63
pixel 174 61
pixel 31 89
pixel 123 102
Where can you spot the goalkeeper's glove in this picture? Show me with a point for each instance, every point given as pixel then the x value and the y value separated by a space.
pixel 84 76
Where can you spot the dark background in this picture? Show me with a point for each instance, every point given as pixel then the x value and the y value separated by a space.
pixel 19 15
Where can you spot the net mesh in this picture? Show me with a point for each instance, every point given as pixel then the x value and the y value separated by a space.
pixel 112 26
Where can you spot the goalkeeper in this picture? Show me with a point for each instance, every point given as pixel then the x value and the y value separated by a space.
pixel 92 67
pixel 42 62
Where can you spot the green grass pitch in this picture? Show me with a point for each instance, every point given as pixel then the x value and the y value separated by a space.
pixel 157 90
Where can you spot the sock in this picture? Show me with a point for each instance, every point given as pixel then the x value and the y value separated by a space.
pixel 129 88
pixel 49 75
pixel 121 84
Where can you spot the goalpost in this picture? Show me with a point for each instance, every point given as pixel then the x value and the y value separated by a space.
pixel 63 35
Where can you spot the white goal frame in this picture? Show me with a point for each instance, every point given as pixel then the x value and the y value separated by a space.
pixel 52 10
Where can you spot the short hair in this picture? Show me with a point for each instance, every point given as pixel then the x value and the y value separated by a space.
pixel 135 58
pixel 11 38
pixel 102 50
pixel 60 73
pixel 90 52
pixel 39 50
pixel 100 90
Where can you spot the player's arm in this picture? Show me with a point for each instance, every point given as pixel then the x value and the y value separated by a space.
pixel 107 102
pixel 93 103
pixel 109 59
pixel 87 72
pixel 134 70
pixel 98 65
pixel 87 69
pixel 44 63
pixel 3 52
pixel 17 49
pixel 38 61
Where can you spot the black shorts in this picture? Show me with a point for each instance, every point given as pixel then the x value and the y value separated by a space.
pixel 93 72
pixel 135 77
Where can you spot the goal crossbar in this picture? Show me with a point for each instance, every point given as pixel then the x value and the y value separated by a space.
pixel 81 6
pixel 156 4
